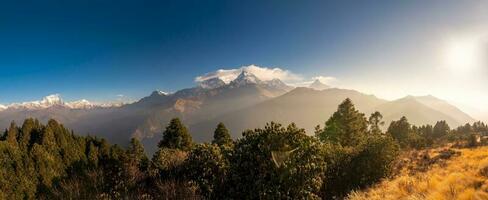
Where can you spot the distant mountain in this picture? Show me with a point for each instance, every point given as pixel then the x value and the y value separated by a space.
pixel 445 107
pixel 304 106
pixel 424 110
pixel 243 103
pixel 212 83
pixel 54 100
pixel 318 85
pixel 200 104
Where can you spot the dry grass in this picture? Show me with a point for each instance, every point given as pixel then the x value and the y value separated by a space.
pixel 463 177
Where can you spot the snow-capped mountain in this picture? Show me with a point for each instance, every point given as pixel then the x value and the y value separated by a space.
pixel 318 85
pixel 245 78
pixel 212 83
pixel 55 100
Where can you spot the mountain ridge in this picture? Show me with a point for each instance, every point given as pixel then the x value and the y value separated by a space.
pixel 245 102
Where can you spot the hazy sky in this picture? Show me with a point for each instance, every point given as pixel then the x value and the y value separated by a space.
pixel 100 49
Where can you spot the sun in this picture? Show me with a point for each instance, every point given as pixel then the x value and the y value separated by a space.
pixel 463 54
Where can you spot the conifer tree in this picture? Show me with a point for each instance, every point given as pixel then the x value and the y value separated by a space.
pixel 12 134
pixel 400 130
pixel 221 136
pixel 441 129
pixel 346 126
pixel 375 121
pixel 136 152
pixel 176 136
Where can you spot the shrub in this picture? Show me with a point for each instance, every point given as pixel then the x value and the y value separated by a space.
pixel 350 168
pixel 254 175
pixel 207 167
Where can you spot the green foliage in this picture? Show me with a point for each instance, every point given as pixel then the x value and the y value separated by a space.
pixel 346 126
pixel 207 166
pixel 222 136
pixel 441 129
pixel 253 174
pixel 351 168
pixel 167 163
pixel 137 155
pixel 176 136
pixel 375 123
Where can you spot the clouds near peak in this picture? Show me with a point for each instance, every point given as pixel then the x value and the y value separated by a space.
pixel 263 73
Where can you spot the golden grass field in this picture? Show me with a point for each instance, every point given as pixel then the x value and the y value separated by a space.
pixel 463 176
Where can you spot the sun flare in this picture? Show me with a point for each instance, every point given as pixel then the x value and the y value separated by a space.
pixel 463 55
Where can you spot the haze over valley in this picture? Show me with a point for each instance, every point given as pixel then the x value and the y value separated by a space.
pixel 242 99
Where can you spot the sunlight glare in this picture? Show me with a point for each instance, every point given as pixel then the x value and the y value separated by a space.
pixel 462 55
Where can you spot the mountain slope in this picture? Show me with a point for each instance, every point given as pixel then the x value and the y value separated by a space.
pixel 304 106
pixel 416 112
pixel 444 107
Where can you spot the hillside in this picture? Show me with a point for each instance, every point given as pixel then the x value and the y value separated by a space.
pixel 462 177
pixel 304 106
pixel 242 103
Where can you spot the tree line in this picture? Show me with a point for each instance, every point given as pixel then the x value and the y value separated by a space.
pixel 349 152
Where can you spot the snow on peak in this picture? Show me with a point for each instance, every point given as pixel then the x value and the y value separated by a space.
pixel 318 85
pixel 80 104
pixel 56 100
pixel 212 83
pixel 246 78
pixel 159 93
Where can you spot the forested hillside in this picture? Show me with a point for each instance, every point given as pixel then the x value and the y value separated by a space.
pixel 349 152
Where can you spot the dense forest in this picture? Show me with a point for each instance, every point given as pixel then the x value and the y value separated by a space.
pixel 351 151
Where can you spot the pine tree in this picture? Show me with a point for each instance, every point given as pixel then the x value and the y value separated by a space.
pixel 347 125
pixel 441 129
pixel 375 121
pixel 136 152
pixel 176 136
pixel 222 136
pixel 12 135
pixel 400 130
pixel 25 135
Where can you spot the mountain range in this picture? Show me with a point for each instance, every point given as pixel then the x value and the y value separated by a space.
pixel 243 103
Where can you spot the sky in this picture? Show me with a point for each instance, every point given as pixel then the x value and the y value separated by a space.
pixel 107 50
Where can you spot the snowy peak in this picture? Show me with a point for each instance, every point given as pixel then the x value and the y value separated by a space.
pixel 80 104
pixel 318 85
pixel 277 84
pixel 245 78
pixel 54 100
pixel 212 83
pixel 157 93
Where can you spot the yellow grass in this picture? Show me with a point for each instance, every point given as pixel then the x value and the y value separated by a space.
pixel 463 177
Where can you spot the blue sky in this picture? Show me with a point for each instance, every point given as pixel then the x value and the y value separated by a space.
pixel 100 49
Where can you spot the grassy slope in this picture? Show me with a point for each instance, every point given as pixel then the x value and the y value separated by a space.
pixel 461 177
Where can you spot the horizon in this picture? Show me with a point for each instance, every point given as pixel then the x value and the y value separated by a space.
pixel 387 49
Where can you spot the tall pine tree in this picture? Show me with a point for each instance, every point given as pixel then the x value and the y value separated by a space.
pixel 176 136
pixel 347 125
pixel 221 136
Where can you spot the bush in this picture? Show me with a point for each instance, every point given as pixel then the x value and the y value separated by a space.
pixel 350 168
pixel 254 175
pixel 207 167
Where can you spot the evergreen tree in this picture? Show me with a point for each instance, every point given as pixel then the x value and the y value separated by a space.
pixel 221 136
pixel 441 129
pixel 347 125
pixel 25 135
pixel 136 152
pixel 375 121
pixel 12 134
pixel 176 136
